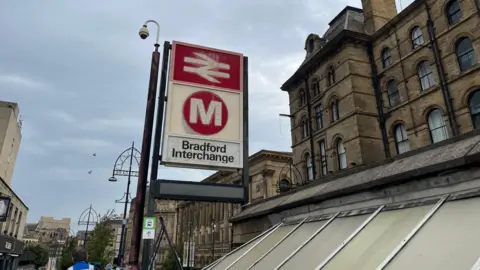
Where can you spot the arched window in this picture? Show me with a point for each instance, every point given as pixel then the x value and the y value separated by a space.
pixel 425 75
pixel 401 139
pixel 303 98
pixel 315 87
pixel 393 94
pixel 474 106
pixel 436 124
pixel 465 53
pixel 305 128
pixel 319 116
pixel 417 37
pixel 342 155
pixel 386 58
pixel 331 76
pixel 334 110
pixel 453 12
pixel 309 166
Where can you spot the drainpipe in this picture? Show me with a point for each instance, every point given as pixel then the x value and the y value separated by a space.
pixel 379 100
pixel 310 129
pixel 441 73
pixel 407 90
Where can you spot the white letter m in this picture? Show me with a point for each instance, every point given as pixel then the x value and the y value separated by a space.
pixel 197 106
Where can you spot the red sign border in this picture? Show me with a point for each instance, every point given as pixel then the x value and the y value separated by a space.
pixel 172 65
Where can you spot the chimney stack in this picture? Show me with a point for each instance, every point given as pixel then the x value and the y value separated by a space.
pixel 377 13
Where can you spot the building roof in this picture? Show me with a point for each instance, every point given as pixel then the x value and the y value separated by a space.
pixel 349 20
pixel 13 192
pixel 459 151
pixel 31 227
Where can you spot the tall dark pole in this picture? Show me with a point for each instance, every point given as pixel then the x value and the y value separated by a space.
pixel 246 165
pixel 310 132
pixel 148 243
pixel 121 251
pixel 88 223
pixel 213 239
pixel 189 253
pixel 144 162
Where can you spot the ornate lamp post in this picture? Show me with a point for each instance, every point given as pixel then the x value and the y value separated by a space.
pixel 87 218
pixel 129 155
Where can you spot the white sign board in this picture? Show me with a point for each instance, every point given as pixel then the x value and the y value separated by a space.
pixel 204 111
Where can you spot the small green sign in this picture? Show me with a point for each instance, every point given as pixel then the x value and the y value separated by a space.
pixel 149 223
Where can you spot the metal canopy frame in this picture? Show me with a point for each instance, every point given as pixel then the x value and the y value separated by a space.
pixel 210 266
pixel 307 241
pixel 278 243
pixel 382 266
pixel 344 243
pixel 252 247
pixel 412 233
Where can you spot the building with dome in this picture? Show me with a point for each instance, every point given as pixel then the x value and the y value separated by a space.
pixel 385 112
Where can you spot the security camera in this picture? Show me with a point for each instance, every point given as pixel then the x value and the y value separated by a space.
pixel 143 33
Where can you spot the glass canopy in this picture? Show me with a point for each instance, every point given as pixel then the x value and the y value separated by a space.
pixel 437 235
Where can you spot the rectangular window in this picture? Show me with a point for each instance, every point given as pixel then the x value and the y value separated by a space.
pixel 323 158
pixel 319 116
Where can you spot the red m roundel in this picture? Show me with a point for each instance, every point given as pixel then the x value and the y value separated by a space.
pixel 205 113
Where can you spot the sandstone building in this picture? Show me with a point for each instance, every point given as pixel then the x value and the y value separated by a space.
pixel 385 119
pixel 205 227
pixel 378 84
pixel 13 214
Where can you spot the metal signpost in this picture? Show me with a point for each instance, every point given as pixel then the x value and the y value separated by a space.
pixel 205 126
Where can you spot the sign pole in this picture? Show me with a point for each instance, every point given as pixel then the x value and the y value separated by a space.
pixel 246 167
pixel 144 161
pixel 148 243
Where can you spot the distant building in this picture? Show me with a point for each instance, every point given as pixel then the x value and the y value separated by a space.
pixel 15 212
pixel 116 225
pixel 47 230
pixel 10 138
pixel 128 237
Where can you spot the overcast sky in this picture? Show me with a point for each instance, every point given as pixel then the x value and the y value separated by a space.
pixel 79 72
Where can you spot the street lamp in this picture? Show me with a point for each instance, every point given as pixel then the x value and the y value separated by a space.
pixel 129 154
pixel 87 218
pixel 145 156
pixel 214 227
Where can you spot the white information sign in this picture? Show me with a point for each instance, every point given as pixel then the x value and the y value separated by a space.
pixel 204 111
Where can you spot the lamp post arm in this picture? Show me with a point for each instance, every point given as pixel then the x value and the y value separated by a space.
pixel 157 38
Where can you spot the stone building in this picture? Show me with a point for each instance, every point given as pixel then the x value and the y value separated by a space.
pixel 129 228
pixel 167 209
pixel 205 227
pixel 10 138
pixel 13 226
pixel 385 117
pixel 378 84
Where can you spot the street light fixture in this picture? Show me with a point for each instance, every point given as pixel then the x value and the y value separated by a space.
pixel 129 154
pixel 145 157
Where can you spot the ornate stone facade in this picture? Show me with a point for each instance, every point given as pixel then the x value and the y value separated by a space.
pixel 378 84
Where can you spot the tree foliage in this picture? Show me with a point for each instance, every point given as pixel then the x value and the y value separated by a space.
pixel 67 260
pixel 170 262
pixel 101 241
pixel 41 255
